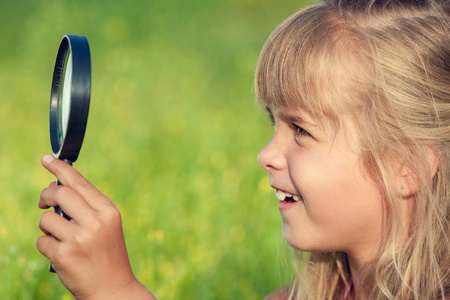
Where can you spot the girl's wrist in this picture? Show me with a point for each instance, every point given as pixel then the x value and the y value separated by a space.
pixel 132 290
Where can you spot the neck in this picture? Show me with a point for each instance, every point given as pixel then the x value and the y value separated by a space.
pixel 355 264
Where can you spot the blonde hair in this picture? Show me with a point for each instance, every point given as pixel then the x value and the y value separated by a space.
pixel 386 64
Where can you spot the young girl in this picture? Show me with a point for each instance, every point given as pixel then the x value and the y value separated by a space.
pixel 360 95
pixel 359 92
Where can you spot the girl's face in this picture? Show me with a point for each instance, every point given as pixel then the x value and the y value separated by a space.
pixel 339 206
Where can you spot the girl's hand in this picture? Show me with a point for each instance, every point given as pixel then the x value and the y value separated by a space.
pixel 88 252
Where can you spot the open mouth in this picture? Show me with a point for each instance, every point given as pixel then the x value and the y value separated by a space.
pixel 288 197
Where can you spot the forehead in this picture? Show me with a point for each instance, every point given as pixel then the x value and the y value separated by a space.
pixel 310 63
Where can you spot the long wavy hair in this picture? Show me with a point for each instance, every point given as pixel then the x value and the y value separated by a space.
pixel 386 64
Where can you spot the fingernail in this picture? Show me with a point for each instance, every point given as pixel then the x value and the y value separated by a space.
pixel 47 158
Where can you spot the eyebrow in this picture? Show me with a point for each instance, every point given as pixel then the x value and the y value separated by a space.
pixel 292 118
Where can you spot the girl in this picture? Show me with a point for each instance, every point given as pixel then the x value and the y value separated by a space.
pixel 359 92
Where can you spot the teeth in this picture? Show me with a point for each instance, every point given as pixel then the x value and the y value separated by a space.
pixel 282 195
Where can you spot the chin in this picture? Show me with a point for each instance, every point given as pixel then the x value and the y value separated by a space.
pixel 303 243
pixel 294 240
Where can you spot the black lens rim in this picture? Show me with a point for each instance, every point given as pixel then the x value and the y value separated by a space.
pixel 80 93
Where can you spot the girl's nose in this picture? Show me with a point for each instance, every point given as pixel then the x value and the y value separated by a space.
pixel 270 158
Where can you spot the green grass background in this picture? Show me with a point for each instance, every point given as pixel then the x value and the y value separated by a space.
pixel 172 139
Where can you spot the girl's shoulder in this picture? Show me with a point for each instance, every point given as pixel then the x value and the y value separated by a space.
pixel 281 294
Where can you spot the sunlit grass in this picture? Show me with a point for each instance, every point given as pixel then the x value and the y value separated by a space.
pixel 172 139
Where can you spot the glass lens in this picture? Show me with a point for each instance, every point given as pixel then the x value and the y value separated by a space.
pixel 65 96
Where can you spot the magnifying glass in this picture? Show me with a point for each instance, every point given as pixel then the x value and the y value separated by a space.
pixel 69 100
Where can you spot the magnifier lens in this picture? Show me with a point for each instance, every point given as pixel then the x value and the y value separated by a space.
pixel 65 96
pixel 70 96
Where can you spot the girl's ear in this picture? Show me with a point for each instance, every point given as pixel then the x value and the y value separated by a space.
pixel 433 159
pixel 409 181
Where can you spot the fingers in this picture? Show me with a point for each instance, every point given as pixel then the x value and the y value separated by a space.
pixel 52 183
pixel 53 225
pixel 45 243
pixel 69 200
pixel 70 177
pixel 50 247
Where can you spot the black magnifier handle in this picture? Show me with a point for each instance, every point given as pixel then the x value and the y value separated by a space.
pixel 58 209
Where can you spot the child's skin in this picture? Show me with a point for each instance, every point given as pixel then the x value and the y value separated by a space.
pixel 88 253
pixel 340 208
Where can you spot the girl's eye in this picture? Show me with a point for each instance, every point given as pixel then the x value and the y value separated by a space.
pixel 272 119
pixel 300 131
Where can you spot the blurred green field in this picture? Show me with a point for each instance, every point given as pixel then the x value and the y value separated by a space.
pixel 172 138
